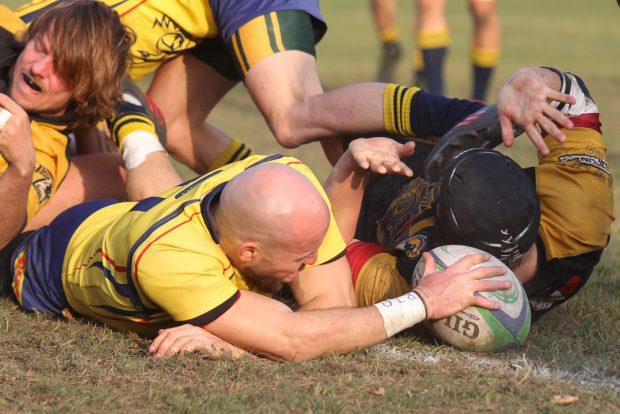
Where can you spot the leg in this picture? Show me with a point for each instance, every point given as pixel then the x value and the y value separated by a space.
pixel 384 14
pixel 186 90
pixel 486 44
pixel 432 41
pixel 90 177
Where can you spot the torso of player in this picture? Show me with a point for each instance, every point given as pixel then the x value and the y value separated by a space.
pixel 406 226
pixel 141 265
pixel 50 143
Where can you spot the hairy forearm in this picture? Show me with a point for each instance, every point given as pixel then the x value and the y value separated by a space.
pixel 345 189
pixel 14 187
pixel 277 332
pixel 355 110
pixel 311 334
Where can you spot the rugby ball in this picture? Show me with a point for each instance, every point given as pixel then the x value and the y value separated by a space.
pixel 475 328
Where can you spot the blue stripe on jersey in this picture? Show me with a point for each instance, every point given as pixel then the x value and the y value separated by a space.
pixel 205 210
pixel 133 292
pixel 121 288
pixel 195 182
pixel 147 203
pixel 144 314
pixel 266 159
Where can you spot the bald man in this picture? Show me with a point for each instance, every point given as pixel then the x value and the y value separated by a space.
pixel 207 254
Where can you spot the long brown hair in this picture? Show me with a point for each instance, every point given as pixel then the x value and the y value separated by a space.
pixel 90 51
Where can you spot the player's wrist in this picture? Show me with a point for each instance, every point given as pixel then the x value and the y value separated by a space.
pixel 21 169
pixel 402 312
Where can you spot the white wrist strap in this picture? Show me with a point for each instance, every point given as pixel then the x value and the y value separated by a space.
pixel 401 313
pixel 570 86
pixel 4 116
pixel 137 145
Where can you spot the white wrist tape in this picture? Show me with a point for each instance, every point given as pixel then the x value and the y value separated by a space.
pixel 401 313
pixel 4 116
pixel 583 105
pixel 137 145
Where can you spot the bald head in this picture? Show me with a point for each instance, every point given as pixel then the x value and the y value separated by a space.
pixel 273 203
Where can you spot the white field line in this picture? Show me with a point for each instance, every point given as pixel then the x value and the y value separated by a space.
pixel 521 366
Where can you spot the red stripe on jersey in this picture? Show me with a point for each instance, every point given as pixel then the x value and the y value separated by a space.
pixel 105 256
pixel 133 8
pixel 112 262
pixel 587 121
pixel 569 288
pixel 135 271
pixel 591 121
pixel 358 253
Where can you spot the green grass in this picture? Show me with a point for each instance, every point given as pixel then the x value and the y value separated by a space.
pixel 58 366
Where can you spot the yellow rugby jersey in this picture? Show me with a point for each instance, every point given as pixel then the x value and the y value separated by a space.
pixel 164 28
pixel 50 143
pixel 10 21
pixel 142 266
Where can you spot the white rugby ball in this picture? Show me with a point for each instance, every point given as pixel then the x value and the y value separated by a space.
pixel 475 328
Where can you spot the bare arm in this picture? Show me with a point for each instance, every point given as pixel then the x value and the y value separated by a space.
pixel 345 185
pixel 154 175
pixel 525 99
pixel 325 286
pixel 269 328
pixel 17 149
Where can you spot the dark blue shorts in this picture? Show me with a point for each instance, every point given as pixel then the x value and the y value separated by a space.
pixel 36 263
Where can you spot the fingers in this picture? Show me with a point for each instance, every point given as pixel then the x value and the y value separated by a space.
pixel 10 105
pixel 554 95
pixel 429 263
pixel 558 117
pixel 407 149
pixel 536 138
pixel 164 342
pixel 508 134
pixel 470 260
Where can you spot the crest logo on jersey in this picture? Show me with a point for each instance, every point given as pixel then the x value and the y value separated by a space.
pixel 43 182
pixel 412 247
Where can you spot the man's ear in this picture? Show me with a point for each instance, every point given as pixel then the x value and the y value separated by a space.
pixel 248 252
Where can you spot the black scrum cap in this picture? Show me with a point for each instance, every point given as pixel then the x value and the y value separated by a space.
pixel 487 201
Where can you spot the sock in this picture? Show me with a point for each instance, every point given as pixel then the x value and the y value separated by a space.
pixel 236 151
pixel 484 62
pixel 432 47
pixel 397 109
pixel 390 54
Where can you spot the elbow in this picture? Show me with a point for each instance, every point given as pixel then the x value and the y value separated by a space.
pixel 291 125
pixel 288 134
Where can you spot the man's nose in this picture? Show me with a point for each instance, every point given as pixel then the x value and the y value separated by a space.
pixel 42 66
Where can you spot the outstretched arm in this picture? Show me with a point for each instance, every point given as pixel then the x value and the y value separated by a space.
pixel 17 149
pixel 269 328
pixel 345 185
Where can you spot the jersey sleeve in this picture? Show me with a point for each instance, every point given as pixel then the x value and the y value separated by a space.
pixel 434 115
pixel 575 187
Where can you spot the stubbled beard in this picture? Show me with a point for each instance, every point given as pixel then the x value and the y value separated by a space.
pixel 264 284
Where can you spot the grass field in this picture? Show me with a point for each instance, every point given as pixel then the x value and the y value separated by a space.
pixel 569 363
